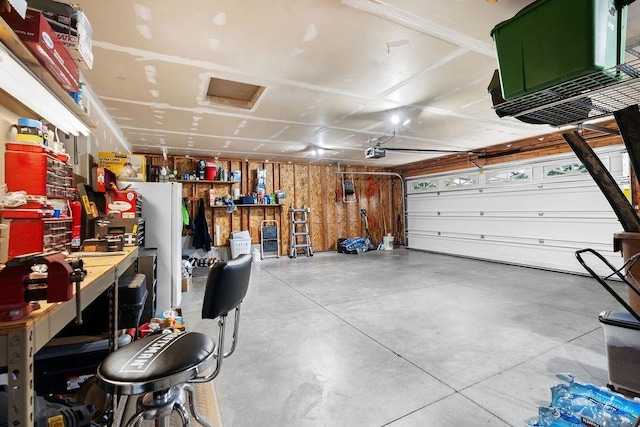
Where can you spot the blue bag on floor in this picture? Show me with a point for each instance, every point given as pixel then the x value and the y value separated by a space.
pixel 577 404
pixel 553 417
pixel 354 245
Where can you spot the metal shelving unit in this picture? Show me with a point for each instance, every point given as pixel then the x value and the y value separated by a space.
pixel 585 98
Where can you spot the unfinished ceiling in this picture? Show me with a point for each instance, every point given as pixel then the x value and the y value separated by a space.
pixel 330 74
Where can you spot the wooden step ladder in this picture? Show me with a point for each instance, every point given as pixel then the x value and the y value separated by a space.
pixel 300 232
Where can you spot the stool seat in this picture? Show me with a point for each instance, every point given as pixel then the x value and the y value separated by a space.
pixel 156 363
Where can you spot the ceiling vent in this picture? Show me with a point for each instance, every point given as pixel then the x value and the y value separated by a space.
pixel 233 94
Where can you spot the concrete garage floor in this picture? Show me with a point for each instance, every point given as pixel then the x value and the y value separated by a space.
pixel 404 338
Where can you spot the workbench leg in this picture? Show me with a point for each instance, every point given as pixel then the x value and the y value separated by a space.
pixel 20 353
pixel 112 296
pixel 113 312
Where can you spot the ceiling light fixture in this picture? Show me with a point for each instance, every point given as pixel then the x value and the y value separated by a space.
pixel 406 122
pixel 21 84
pixel 395 119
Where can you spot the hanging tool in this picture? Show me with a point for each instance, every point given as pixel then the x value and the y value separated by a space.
pixel 396 239
pixel 369 241
pixel 384 222
pixel 372 188
pixel 348 191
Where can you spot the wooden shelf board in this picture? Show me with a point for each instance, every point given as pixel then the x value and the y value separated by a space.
pixel 255 205
pixel 205 181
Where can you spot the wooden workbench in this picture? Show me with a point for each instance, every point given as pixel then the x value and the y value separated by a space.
pixel 21 339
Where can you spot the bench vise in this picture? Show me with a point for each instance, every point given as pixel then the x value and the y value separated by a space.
pixel 27 279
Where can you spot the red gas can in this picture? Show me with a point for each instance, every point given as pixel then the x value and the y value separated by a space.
pixel 210 170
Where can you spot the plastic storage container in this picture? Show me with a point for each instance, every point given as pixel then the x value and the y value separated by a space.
pixel 388 243
pixel 239 247
pixel 622 338
pixel 132 294
pixel 552 41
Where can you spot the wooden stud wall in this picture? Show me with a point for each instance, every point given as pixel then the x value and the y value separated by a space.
pixel 314 186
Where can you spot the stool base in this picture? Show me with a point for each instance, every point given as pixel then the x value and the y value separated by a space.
pixel 159 405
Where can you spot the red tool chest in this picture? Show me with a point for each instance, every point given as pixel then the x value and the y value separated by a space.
pixel 39 174
pixel 32 227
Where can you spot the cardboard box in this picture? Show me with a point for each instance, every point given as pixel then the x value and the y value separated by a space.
pixel 122 204
pixel 37 35
pixel 102 179
pixel 95 245
pixel 71 26
pixel 127 167
pixel 104 244
pixel 186 284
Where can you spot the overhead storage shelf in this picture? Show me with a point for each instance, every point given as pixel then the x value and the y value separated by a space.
pixel 13 43
pixel 585 98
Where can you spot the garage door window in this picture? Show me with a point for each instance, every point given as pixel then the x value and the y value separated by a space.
pixel 424 185
pixel 564 170
pixel 461 181
pixel 500 177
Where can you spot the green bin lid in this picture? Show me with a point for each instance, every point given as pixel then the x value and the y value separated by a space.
pixel 517 16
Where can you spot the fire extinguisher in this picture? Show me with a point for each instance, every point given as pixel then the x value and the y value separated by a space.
pixel 76 226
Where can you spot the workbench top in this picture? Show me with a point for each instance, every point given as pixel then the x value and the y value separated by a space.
pixel 50 318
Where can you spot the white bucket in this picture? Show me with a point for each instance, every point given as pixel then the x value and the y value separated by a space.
pixel 388 242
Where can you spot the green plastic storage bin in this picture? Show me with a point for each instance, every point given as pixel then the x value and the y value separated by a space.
pixel 552 41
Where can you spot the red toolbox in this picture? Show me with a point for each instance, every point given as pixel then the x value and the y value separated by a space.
pixel 33 227
pixel 39 174
pixel 36 235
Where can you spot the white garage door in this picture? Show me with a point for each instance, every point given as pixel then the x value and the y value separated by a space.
pixel 536 213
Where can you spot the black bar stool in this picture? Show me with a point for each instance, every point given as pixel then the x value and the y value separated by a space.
pixel 164 366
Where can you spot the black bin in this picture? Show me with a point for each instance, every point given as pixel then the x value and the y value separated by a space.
pixel 60 369
pixel 132 294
